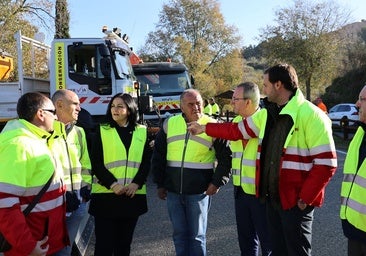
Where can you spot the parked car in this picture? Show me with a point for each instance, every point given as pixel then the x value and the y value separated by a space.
pixel 343 114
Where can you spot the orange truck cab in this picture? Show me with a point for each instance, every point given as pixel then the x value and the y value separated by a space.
pixel 6 65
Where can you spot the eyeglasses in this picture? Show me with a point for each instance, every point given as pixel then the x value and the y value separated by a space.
pixel 236 99
pixel 53 111
pixel 361 99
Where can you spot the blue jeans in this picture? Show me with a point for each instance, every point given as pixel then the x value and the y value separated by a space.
pixel 188 214
pixel 251 222
pixel 290 230
pixel 72 224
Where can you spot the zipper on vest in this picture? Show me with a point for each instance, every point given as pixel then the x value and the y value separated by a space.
pixel 241 169
pixel 182 163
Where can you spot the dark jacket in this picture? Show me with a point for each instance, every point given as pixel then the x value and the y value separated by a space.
pixel 189 181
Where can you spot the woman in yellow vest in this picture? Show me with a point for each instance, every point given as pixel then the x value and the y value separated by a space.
pixel 120 162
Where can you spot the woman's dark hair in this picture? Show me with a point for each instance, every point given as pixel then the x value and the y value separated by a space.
pixel 131 107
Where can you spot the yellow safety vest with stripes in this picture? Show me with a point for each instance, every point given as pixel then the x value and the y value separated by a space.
pixel 124 169
pixel 197 154
pixel 76 157
pixel 244 162
pixel 215 109
pixel 353 189
pixel 26 141
pixel 208 110
pixel 236 156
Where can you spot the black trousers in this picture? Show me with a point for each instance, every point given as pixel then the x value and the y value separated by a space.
pixel 356 248
pixel 290 230
pixel 114 236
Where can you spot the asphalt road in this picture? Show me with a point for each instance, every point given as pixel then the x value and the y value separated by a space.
pixel 153 232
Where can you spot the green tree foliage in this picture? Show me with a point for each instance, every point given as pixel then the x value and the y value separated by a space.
pixel 356 57
pixel 305 37
pixel 362 35
pixel 62 19
pixel 252 51
pixel 194 32
pixel 356 52
pixel 345 88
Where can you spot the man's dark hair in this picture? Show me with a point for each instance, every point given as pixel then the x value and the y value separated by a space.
pixel 284 73
pixel 28 105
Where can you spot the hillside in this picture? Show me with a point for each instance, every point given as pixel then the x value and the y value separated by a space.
pixel 352 30
pixel 347 87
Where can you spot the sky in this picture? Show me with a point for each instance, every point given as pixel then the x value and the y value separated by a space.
pixel 137 18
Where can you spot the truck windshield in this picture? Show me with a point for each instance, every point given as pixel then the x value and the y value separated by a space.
pixel 160 84
pixel 123 65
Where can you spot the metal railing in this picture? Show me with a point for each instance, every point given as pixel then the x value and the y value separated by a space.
pixel 346 127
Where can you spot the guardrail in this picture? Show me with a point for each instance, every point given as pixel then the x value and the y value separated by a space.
pixel 345 127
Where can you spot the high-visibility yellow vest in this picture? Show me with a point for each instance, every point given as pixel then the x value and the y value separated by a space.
pixel 208 110
pixel 215 109
pixel 236 156
pixel 198 153
pixel 76 157
pixel 26 141
pixel 244 163
pixel 353 189
pixel 115 156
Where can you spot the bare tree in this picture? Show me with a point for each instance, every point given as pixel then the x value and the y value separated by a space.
pixel 23 15
pixel 37 12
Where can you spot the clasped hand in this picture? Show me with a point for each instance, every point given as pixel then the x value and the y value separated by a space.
pixel 195 128
pixel 128 190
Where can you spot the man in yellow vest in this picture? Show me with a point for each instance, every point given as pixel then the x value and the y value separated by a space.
pixel 28 161
pixel 207 108
pixel 184 170
pixel 215 108
pixel 76 163
pixel 250 212
pixel 353 191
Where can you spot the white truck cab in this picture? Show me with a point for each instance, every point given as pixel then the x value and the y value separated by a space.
pixel 94 68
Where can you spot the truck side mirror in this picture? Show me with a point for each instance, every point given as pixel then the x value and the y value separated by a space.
pixel 103 50
pixel 105 67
